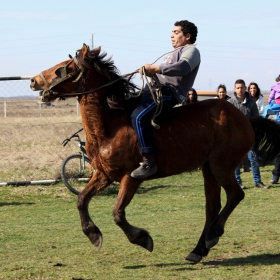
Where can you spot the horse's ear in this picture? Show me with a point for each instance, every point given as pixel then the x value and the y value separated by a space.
pixel 84 50
pixel 97 50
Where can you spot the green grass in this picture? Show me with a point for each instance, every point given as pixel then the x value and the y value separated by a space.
pixel 41 236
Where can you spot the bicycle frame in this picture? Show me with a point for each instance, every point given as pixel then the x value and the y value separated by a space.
pixel 81 172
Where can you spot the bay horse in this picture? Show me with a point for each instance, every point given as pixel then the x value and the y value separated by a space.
pixel 211 134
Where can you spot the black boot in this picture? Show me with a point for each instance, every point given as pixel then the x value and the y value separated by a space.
pixel 147 168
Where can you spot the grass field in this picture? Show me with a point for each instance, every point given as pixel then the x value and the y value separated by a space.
pixel 41 236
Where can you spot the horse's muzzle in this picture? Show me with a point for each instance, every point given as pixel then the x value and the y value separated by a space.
pixel 32 82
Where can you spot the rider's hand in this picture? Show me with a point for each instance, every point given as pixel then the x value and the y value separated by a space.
pixel 151 70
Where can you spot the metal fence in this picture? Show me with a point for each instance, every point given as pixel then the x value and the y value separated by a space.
pixel 31 132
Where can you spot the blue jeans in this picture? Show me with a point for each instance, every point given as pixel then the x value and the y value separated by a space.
pixel 141 118
pixel 253 158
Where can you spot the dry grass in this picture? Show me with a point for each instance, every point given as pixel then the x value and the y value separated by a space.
pixel 31 145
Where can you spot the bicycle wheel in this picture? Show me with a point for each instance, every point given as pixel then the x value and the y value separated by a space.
pixel 75 173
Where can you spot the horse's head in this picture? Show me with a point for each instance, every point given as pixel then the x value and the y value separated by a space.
pixel 64 79
pixel 85 73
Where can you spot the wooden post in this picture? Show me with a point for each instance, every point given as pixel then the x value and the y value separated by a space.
pixel 5 109
pixel 40 109
pixel 77 107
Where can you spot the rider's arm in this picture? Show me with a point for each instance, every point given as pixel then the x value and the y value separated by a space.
pixel 189 60
pixel 180 68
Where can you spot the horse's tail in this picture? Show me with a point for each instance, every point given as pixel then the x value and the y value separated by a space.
pixel 267 138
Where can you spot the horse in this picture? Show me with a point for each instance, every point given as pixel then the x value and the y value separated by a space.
pixel 211 134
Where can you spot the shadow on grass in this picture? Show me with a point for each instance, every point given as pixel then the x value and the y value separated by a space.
pixel 148 189
pixel 114 189
pixel 264 259
pixel 15 203
pixel 160 265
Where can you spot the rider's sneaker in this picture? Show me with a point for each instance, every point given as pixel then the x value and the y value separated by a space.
pixel 242 186
pixel 147 168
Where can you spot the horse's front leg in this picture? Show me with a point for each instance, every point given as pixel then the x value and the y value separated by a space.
pixel 97 183
pixel 135 235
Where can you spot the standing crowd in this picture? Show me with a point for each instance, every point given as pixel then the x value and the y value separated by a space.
pixel 249 100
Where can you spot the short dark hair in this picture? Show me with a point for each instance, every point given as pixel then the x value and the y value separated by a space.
pixel 277 79
pixel 188 27
pixel 240 81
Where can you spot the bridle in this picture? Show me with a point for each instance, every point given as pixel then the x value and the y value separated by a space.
pixel 47 95
pixel 82 65
pixel 62 76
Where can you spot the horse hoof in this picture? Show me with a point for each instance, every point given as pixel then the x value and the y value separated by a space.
pixel 96 240
pixel 142 238
pixel 211 243
pixel 194 258
pixel 149 244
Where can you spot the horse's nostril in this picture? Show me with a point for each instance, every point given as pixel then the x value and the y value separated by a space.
pixel 32 82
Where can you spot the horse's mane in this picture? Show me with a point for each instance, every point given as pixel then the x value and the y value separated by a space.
pixel 118 91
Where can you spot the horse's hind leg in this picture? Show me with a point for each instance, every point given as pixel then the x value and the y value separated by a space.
pixel 135 235
pixel 213 207
pixel 97 183
pixel 234 195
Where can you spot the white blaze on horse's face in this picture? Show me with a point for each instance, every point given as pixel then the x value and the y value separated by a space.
pixel 178 38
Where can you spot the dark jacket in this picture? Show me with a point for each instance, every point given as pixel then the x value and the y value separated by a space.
pixel 248 107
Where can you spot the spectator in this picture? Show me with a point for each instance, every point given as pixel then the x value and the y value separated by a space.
pixel 274 98
pixel 222 92
pixel 275 92
pixel 246 164
pixel 191 97
pixel 276 170
pixel 255 93
pixel 242 100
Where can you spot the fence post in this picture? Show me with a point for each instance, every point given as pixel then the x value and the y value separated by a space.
pixel 40 109
pixel 5 109
pixel 77 107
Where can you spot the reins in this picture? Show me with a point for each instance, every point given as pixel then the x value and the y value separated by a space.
pixel 156 95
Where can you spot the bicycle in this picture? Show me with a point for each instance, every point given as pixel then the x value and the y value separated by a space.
pixel 76 169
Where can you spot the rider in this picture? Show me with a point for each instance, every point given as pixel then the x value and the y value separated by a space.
pixel 176 75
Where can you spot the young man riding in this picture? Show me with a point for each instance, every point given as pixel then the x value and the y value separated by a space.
pixel 176 75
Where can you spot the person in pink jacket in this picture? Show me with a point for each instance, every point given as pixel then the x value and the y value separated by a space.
pixel 274 97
